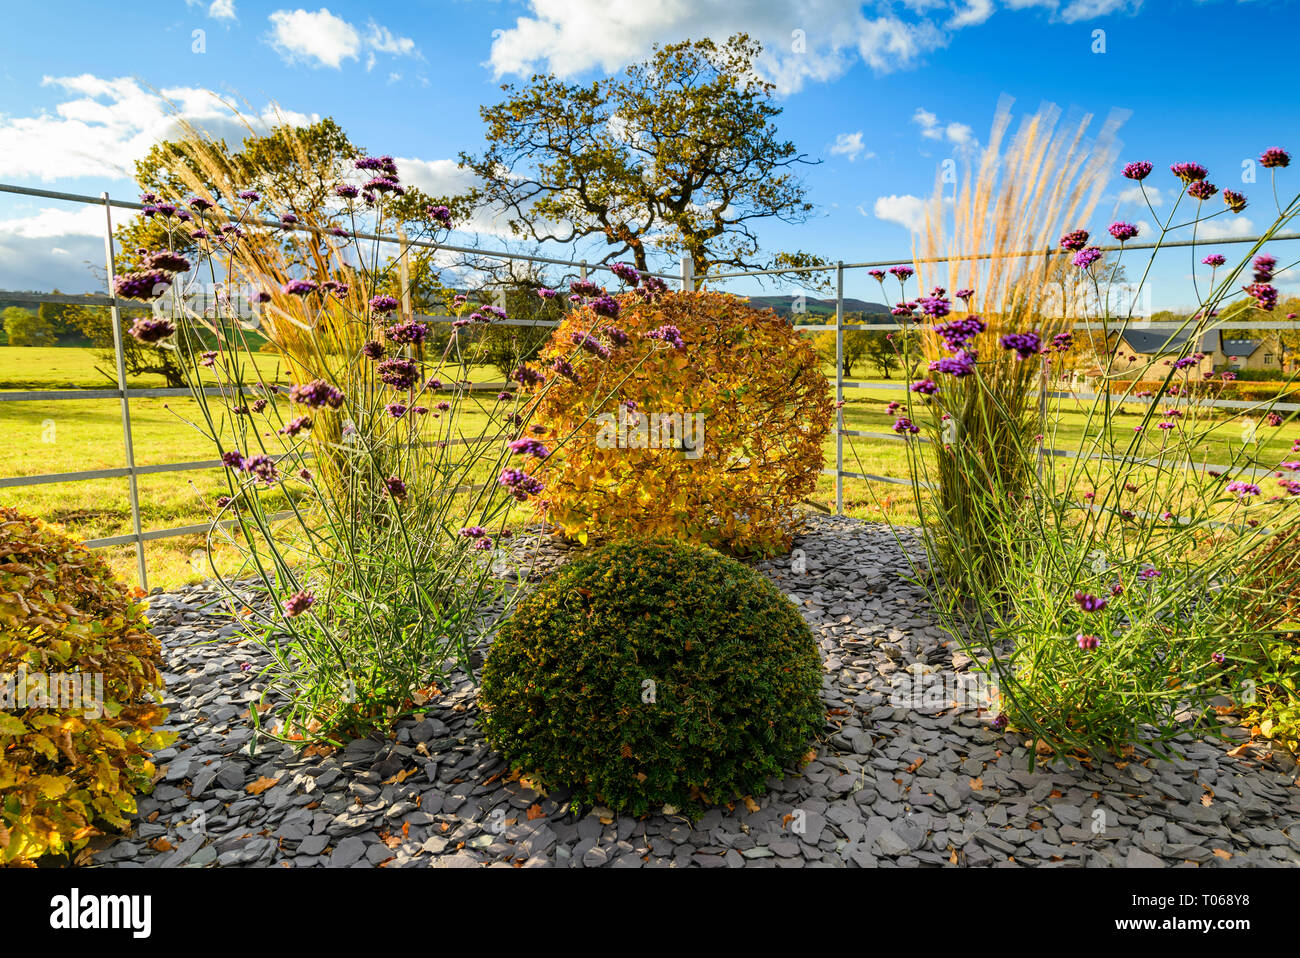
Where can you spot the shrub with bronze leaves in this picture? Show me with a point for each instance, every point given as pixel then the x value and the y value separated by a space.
pixel 79 700
pixel 705 422
pixel 651 672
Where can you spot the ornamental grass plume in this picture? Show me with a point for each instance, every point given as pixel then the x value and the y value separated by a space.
pixel 1025 191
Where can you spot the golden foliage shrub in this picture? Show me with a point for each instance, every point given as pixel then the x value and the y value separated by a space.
pixel 753 409
pixel 71 757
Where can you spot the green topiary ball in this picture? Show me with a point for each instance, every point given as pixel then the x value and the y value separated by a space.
pixel 651 672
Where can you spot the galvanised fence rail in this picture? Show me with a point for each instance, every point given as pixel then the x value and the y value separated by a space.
pixel 138 536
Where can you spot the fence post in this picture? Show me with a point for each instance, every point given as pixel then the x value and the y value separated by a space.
pixel 688 274
pixel 115 320
pixel 582 270
pixel 1042 414
pixel 839 388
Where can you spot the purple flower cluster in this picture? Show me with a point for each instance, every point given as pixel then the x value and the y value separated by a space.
pixel 926 387
pixel 589 343
pixel 1086 257
pixel 963 364
pixel 1089 602
pixel 440 214
pixel 585 288
pixel 936 306
pixel 529 447
pixel 1265 296
pixel 1025 344
pixel 398 372
pixel 1189 172
pixel 957 332
pixel 605 306
pixel 263 467
pixel 298 603
pixel 316 393
pixel 1063 342
pixel 1074 241
pixel 412 332
pixel 1275 157
pixel 1234 201
pixel 299 287
pixel 149 330
pixel 1087 642
pixel 902 273
pixel 527 376
pixel 146 284
pixel 1201 190
pixel 1214 260
pixel 295 426
pixel 1264 267
pixel 1138 171
pixel 1243 490
pixel 627 273
pixel 520 483
pixel 373 350
pixel 1122 231
pixel 383 304
pixel 167 261
pixel 396 488
pixel 905 427
pixel 669 334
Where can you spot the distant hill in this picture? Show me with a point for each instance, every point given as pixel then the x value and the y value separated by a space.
pixel 817 310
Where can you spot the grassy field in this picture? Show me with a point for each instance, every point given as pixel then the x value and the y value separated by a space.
pixel 39 438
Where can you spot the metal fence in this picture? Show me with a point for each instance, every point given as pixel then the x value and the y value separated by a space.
pixel 685 277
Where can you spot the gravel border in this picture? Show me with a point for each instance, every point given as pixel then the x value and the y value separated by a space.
pixel 891 786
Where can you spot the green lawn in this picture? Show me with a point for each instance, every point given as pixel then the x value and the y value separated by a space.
pixel 41 438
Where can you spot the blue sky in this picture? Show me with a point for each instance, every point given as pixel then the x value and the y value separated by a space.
pixel 880 93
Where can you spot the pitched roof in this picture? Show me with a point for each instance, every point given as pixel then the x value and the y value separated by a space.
pixel 1157 341
pixel 1241 347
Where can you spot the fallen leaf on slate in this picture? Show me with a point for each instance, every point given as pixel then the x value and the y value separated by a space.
pixel 261 785
pixel 977 784
pixel 535 811
pixel 1221 853
pixel 161 845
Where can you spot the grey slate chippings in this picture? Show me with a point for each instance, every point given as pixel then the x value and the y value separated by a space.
pixel 889 787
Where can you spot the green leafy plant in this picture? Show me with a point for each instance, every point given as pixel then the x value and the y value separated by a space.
pixel 651 672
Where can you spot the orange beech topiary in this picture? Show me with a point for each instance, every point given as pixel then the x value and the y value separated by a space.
pixel 80 680
pixel 698 417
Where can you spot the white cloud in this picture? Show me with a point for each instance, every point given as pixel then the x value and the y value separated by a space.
pixel 54 248
pixel 905 210
pixel 321 39
pixel 803 39
pixel 973 14
pixel 850 145
pixel 1134 195
pixel 1221 228
pixel 385 41
pixel 1088 9
pixel 222 10
pixel 104 125
pixel 53 222
pixel 959 134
